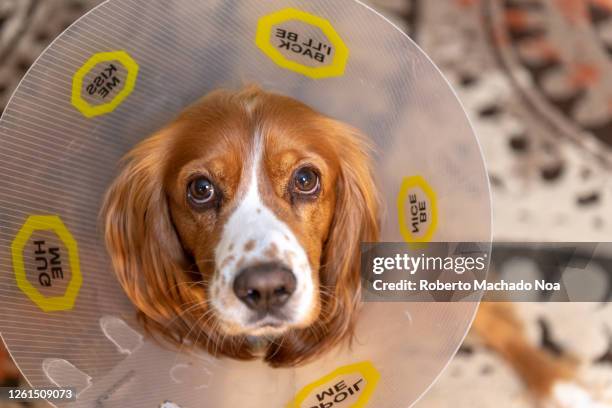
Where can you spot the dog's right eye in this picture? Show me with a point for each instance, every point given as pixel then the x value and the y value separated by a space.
pixel 201 192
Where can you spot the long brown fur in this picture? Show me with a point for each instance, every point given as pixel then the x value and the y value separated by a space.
pixel 166 282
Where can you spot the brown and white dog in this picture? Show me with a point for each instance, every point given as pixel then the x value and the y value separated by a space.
pixel 236 229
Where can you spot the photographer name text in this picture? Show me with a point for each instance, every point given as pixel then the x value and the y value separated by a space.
pixel 474 285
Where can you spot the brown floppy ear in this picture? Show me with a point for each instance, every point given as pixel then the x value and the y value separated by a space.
pixel 140 238
pixel 355 220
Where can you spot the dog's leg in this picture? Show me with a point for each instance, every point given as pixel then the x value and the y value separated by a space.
pixel 550 379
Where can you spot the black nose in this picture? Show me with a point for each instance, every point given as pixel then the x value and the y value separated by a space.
pixel 264 287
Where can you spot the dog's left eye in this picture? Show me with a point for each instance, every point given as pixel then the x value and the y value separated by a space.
pixel 201 192
pixel 306 181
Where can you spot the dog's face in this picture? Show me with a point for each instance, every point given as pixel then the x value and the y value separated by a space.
pixel 252 201
pixel 242 220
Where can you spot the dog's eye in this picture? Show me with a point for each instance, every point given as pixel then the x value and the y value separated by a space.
pixel 201 192
pixel 306 181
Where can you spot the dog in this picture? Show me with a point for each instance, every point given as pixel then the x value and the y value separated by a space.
pixel 236 228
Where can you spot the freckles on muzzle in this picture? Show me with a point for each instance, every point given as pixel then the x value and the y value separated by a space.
pixel 263 280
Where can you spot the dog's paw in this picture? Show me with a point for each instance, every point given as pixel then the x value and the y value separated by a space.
pixel 168 404
pixel 575 395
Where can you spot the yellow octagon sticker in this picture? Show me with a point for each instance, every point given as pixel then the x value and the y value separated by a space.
pixel 103 82
pixel 349 386
pixel 297 49
pixel 417 210
pixel 48 223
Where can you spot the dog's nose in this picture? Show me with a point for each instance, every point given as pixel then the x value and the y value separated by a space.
pixel 264 287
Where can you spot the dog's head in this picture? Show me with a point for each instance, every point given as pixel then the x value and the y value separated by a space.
pixel 239 224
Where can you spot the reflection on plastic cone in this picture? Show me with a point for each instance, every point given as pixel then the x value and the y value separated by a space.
pixel 65 375
pixel 123 336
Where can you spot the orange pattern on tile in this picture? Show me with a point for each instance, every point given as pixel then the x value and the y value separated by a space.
pixel 516 19
pixel 584 75
pixel 574 11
